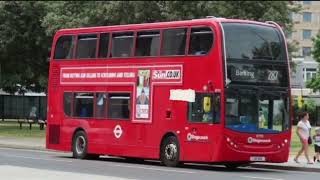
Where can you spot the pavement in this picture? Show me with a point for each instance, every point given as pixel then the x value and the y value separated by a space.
pixel 23 143
pixel 39 144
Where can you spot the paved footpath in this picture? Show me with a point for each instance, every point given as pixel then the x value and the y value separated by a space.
pixel 23 143
pixel 39 144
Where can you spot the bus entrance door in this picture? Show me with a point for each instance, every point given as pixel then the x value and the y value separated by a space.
pixel 198 143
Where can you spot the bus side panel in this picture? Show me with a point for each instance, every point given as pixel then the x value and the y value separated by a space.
pixel 161 124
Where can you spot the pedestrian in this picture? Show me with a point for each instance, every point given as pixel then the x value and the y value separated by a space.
pixel 33 114
pixel 303 132
pixel 316 139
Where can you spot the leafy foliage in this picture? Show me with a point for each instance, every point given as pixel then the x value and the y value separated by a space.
pixel 309 106
pixel 315 82
pixel 23 46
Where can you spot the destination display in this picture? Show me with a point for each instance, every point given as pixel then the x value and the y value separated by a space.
pixel 241 73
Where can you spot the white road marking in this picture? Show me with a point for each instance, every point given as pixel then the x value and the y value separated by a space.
pixel 252 177
pixel 283 170
pixel 22 173
pixel 33 150
pixel 155 169
pixel 118 165
pixel 35 158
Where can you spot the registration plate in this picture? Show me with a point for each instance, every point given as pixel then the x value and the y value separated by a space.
pixel 257 158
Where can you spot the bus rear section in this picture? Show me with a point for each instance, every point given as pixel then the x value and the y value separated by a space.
pixel 257 94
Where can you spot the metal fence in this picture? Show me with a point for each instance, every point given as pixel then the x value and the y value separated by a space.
pixel 19 107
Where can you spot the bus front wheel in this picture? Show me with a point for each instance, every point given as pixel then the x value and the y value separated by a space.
pixel 80 145
pixel 170 151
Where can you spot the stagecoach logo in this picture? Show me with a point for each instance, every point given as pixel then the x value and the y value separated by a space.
pixel 117 131
pixel 273 75
pixel 252 140
pixel 192 137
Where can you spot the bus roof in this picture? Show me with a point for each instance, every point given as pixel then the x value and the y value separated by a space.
pixel 159 25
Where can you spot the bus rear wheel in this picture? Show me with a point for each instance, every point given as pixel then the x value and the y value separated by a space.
pixel 80 145
pixel 170 151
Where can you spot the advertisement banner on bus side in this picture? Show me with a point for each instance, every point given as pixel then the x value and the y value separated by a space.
pixel 143 94
pixel 103 75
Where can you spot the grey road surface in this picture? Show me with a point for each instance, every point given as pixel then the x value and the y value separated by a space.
pixel 27 164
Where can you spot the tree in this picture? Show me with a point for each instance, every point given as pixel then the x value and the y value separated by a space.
pixel 23 46
pixel 314 84
pixel 308 105
pixel 72 14
pixel 66 14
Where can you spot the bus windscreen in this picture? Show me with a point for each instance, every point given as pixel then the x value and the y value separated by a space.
pixel 253 42
pixel 257 112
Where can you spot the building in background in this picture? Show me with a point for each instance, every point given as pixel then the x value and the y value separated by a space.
pixel 306 26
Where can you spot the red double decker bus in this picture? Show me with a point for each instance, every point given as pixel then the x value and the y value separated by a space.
pixel 209 90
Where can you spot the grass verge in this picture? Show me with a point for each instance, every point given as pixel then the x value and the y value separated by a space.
pixel 12 129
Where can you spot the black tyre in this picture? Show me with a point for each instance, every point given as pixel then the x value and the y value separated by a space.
pixel 170 151
pixel 80 145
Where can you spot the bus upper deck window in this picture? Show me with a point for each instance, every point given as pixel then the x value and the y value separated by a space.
pixel 148 43
pixel 174 42
pixel 201 40
pixel 86 46
pixel 64 47
pixel 122 44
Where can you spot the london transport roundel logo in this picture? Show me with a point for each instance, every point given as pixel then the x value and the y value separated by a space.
pixel 117 131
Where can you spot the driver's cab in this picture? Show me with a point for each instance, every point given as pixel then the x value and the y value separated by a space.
pixel 257 111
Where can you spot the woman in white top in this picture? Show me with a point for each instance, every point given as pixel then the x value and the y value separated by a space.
pixel 303 132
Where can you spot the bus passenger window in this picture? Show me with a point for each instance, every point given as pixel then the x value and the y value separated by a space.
pixel 232 107
pixel 87 45
pixel 83 105
pixel 174 42
pixel 64 47
pixel 148 43
pixel 202 109
pixel 67 98
pixel 217 108
pixel 104 45
pixel 101 100
pixel 119 106
pixel 201 40
pixel 122 44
